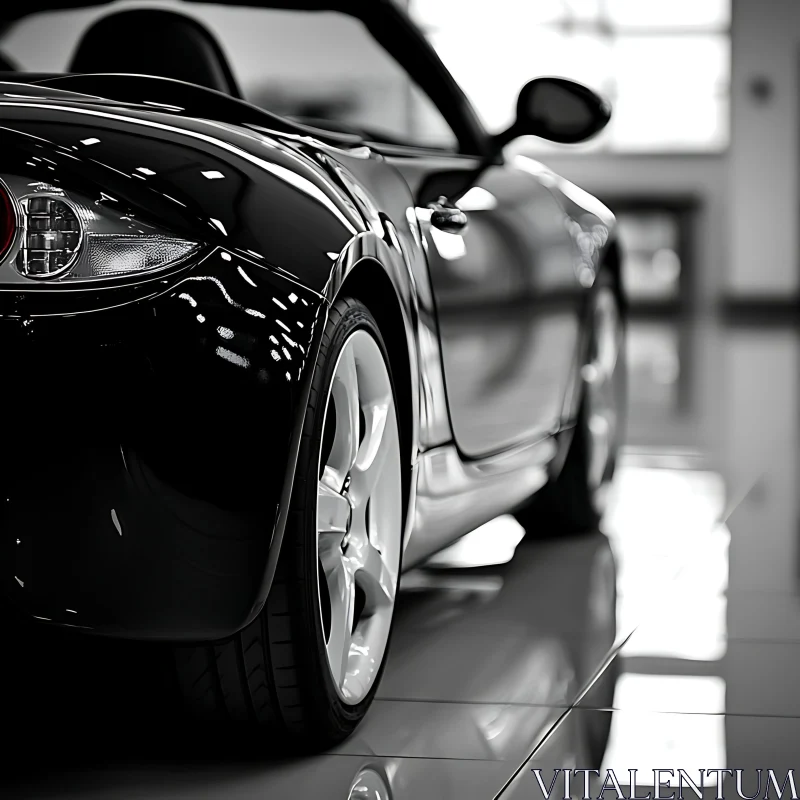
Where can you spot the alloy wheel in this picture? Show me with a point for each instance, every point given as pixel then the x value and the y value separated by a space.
pixel 359 513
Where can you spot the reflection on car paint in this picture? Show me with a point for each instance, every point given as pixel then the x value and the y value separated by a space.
pixel 144 480
pixel 191 384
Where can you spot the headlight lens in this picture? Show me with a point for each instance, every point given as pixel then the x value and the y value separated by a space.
pixel 51 237
pixel 49 234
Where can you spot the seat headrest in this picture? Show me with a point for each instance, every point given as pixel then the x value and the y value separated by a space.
pixel 155 42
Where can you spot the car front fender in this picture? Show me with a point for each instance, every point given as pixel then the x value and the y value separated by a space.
pixel 154 424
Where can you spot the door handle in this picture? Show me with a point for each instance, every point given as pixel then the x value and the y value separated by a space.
pixel 447 217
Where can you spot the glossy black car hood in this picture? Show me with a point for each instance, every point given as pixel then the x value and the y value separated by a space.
pixel 279 184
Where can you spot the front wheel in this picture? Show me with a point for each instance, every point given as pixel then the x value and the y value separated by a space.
pixel 308 667
pixel 573 501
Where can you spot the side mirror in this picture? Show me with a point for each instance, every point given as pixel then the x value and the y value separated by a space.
pixel 559 110
pixel 556 109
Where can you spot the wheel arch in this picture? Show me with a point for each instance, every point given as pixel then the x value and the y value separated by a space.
pixel 609 263
pixel 369 282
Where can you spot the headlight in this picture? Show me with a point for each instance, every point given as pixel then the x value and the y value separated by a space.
pixel 54 235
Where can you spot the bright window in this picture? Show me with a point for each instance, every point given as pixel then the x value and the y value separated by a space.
pixel 664 66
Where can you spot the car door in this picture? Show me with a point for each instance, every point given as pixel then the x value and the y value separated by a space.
pixel 508 296
pixel 506 292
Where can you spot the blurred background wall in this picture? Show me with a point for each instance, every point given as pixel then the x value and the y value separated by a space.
pixel 763 157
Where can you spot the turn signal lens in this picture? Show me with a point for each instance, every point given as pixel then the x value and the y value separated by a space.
pixel 8 221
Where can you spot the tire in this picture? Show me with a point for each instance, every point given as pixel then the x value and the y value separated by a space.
pixel 573 500
pixel 287 674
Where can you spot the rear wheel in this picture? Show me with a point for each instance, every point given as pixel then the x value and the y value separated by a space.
pixel 308 667
pixel 574 500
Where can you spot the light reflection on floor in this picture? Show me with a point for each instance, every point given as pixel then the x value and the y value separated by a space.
pixel 491 544
pixel 663 518
pixel 705 535
pixel 679 741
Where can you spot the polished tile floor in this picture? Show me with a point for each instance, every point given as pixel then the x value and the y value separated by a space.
pixel 669 640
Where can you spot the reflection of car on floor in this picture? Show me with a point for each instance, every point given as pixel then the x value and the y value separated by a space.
pixel 260 362
pixel 489 641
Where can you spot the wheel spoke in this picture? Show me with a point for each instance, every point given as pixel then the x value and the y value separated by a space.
pixel 333 510
pixel 341 589
pixel 344 391
pixel 372 573
pixel 372 453
pixel 330 552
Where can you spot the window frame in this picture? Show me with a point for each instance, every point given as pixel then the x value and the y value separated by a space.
pixel 395 32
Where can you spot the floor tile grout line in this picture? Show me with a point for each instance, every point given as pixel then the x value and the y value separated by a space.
pixel 420 758
pixel 538 746
pixel 720 640
pixel 563 704
pixel 607 661
pixel 666 712
pixel 731 506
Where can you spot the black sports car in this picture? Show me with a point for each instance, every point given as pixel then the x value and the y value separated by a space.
pixel 256 364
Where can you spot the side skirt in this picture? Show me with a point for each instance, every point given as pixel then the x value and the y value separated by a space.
pixel 454 496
